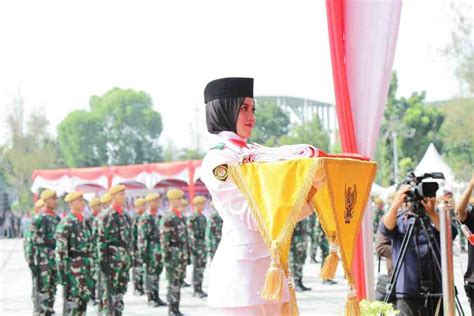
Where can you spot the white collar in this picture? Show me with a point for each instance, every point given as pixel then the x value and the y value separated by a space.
pixel 231 135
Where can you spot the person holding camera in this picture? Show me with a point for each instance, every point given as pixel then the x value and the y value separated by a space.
pixel 465 214
pixel 418 287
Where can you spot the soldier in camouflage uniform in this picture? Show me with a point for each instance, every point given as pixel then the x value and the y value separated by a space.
pixel 184 212
pixel 174 244
pixel 298 251
pixel 74 250
pixel 213 232
pixel 29 255
pixel 197 244
pixel 137 270
pixel 105 201
pixel 114 252
pixel 313 248
pixel 41 254
pixel 149 249
pixel 93 224
pixel 324 245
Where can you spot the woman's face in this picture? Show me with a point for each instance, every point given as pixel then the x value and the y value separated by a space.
pixel 246 118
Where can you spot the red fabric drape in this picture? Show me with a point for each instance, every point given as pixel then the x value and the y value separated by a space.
pixel 335 17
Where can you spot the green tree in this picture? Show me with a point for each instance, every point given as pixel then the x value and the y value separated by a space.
pixel 29 147
pixel 310 132
pixel 458 136
pixel 416 124
pixel 121 128
pixel 272 123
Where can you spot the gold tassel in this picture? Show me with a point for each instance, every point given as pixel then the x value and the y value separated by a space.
pixel 290 308
pixel 352 304
pixel 329 268
pixel 273 286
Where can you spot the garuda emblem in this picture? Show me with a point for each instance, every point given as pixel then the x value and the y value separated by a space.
pixel 351 198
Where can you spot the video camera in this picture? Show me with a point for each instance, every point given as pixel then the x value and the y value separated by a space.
pixel 419 189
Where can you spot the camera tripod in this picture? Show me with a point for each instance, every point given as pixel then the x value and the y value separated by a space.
pixel 420 220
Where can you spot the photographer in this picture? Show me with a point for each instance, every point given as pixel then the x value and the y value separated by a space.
pixel 416 276
pixel 465 214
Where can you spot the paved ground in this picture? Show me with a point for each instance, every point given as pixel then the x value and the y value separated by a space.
pixel 15 290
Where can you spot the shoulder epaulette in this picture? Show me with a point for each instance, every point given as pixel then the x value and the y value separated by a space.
pixel 219 146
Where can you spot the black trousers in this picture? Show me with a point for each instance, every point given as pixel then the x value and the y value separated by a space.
pixel 418 306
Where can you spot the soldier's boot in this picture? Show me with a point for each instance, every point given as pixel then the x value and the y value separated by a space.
pixel 185 284
pixel 158 299
pixel 138 289
pixel 300 287
pixel 174 310
pixel 152 299
pixel 198 291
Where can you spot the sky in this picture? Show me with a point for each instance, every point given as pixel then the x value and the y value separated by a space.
pixel 60 53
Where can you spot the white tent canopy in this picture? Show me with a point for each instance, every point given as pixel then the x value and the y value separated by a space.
pixel 432 161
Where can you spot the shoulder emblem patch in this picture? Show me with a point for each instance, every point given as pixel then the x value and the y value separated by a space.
pixel 221 172
pixel 219 146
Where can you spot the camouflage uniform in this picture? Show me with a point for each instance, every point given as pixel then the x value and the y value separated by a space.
pixel 213 233
pixel 149 250
pixel 322 241
pixel 114 238
pixel 98 286
pixel 197 246
pixel 174 244
pixel 41 259
pixel 74 250
pixel 298 249
pixel 313 222
pixel 136 258
pixel 28 251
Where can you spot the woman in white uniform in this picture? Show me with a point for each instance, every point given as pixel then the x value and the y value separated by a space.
pixel 238 269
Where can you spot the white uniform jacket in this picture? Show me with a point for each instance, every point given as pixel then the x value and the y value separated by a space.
pixel 237 272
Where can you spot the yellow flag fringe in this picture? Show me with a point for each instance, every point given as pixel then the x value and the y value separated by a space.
pixel 352 306
pixel 329 268
pixel 273 286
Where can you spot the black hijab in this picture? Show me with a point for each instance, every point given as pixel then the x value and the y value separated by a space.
pixel 222 114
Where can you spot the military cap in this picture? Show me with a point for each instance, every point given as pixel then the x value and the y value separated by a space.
pixel 151 196
pixel 174 194
pixel 116 189
pixel 74 195
pixel 139 202
pixel 47 194
pixel 39 203
pixel 199 200
pixel 94 202
pixel 106 198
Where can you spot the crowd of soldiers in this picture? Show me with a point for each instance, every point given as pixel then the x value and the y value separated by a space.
pixel 307 233
pixel 92 257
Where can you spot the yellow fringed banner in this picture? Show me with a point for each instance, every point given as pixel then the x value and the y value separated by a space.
pixel 276 193
pixel 329 268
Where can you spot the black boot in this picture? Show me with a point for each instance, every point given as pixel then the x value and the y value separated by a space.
pixel 173 310
pixel 199 292
pixel 152 300
pixel 300 287
pixel 185 284
pixel 158 299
